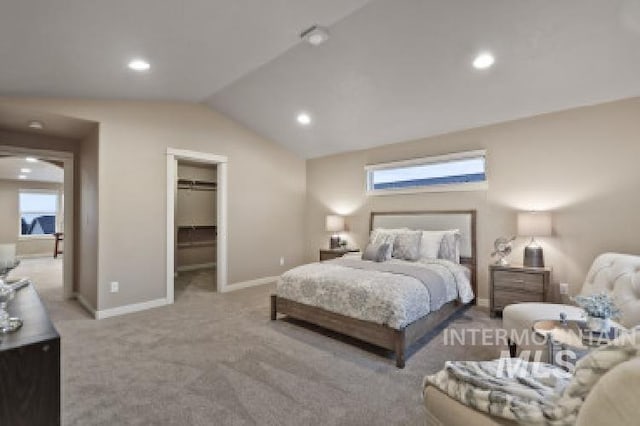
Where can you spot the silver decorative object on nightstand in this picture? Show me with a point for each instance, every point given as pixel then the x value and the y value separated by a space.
pixel 503 247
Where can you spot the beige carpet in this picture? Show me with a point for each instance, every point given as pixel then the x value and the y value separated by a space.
pixel 217 359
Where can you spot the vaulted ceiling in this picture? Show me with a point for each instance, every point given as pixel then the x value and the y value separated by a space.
pixel 392 70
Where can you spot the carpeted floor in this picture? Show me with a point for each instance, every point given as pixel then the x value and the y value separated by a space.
pixel 217 359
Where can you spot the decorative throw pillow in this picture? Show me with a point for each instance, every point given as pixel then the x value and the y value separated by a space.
pixel 383 235
pixel 379 253
pixel 407 245
pixel 430 244
pixel 450 246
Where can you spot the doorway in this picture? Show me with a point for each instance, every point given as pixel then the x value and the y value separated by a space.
pixel 39 212
pixel 196 217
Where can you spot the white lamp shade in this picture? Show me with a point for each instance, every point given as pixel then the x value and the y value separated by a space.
pixel 7 255
pixel 534 224
pixel 334 223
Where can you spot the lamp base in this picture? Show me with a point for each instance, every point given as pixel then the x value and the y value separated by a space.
pixel 334 242
pixel 533 257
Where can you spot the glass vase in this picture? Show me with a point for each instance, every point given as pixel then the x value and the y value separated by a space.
pixel 600 325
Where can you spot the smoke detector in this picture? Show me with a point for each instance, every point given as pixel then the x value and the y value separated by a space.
pixel 315 35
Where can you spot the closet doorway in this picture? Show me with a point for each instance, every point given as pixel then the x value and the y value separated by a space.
pixel 196 222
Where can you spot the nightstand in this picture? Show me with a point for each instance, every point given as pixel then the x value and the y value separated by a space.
pixel 328 254
pixel 516 284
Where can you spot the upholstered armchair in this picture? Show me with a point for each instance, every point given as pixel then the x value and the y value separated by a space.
pixel 613 273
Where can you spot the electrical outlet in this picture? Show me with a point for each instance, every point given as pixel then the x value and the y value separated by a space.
pixel 282 261
pixel 564 288
pixel 115 286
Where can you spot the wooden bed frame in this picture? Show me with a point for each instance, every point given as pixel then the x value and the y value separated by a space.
pixel 378 334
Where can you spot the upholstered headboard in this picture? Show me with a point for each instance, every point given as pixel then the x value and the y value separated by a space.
pixel 464 220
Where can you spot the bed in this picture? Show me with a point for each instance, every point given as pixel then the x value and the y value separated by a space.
pixel 390 304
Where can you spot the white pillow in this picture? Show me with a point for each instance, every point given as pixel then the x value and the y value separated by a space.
pixel 430 244
pixel 432 241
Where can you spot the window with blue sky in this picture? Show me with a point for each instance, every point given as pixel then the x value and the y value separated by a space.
pixel 38 211
pixel 434 171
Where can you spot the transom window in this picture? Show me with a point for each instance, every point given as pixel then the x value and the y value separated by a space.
pixel 38 212
pixel 463 171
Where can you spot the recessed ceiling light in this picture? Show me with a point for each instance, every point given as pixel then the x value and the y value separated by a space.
pixel 35 124
pixel 315 35
pixel 483 61
pixel 31 159
pixel 304 118
pixel 25 170
pixel 22 177
pixel 139 65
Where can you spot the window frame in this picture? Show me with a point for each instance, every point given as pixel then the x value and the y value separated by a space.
pixel 22 237
pixel 443 187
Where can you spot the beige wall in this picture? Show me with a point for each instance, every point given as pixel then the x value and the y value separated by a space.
pixel 581 164
pixel 86 217
pixel 10 218
pixel 266 191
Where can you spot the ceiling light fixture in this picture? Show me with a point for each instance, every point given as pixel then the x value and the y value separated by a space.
pixel 31 160
pixel 315 35
pixel 22 177
pixel 25 170
pixel 304 118
pixel 483 61
pixel 139 65
pixel 35 124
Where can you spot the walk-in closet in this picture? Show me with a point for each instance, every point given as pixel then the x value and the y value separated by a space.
pixel 196 226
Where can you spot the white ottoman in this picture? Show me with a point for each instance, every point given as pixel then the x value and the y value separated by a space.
pixel 518 319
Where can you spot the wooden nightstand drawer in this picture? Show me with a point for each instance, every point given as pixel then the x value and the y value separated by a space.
pixel 516 284
pixel 518 280
pixel 504 298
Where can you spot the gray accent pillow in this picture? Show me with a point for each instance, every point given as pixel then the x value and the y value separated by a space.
pixel 450 247
pixel 382 235
pixel 377 253
pixel 407 245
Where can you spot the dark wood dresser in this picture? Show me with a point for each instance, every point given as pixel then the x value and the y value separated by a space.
pixel 30 366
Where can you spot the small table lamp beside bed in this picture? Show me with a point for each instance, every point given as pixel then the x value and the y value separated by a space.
pixel 418 270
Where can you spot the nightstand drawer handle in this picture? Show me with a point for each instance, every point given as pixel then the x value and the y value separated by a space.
pixel 519 281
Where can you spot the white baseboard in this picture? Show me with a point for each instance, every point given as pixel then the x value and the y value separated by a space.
pixel 483 302
pixel 85 304
pixel 35 256
pixel 128 309
pixel 196 267
pixel 250 283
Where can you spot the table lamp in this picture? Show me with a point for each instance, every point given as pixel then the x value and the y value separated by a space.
pixel 534 224
pixel 334 224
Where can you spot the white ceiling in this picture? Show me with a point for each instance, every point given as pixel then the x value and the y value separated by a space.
pixel 400 70
pixel 392 70
pixel 40 171
pixel 80 48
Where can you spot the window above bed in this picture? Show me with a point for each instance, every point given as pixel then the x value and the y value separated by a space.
pixel 463 171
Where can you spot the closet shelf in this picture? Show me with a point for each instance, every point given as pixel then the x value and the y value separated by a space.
pixel 181 227
pixel 209 243
pixel 197 185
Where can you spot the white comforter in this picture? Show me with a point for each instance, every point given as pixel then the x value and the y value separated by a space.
pixel 391 299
